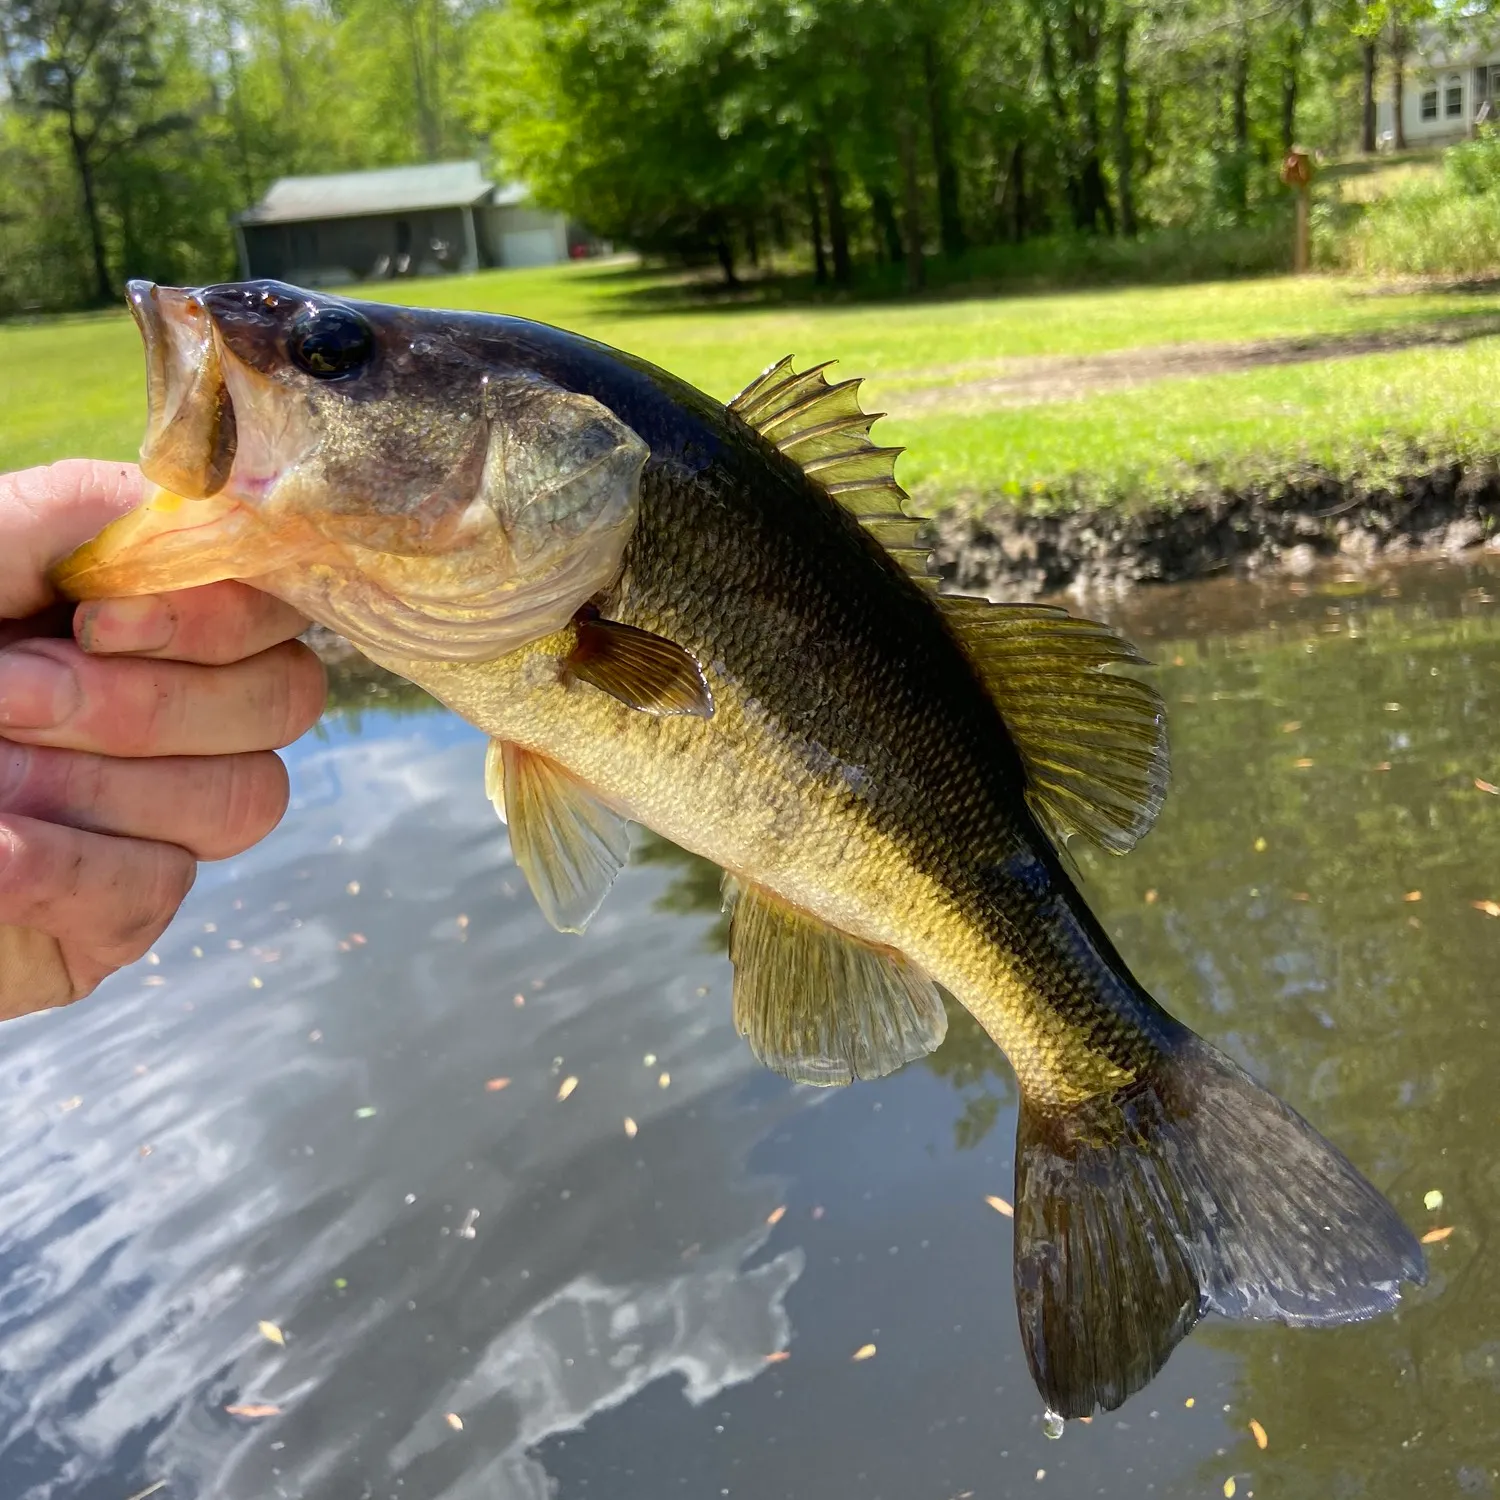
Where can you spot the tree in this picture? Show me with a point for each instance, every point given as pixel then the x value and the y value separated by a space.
pixel 90 64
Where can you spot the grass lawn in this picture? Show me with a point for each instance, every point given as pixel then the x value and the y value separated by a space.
pixel 75 385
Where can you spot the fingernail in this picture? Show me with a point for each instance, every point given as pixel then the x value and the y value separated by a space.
pixel 36 691
pixel 113 626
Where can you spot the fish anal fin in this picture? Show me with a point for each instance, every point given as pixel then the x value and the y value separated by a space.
pixel 569 845
pixel 642 670
pixel 1192 1190
pixel 821 1007
pixel 1094 742
pixel 824 430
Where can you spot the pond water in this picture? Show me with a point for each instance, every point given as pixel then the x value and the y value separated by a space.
pixel 447 1205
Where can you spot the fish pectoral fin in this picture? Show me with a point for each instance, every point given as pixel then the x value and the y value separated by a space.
pixel 1094 743
pixel 642 670
pixel 821 1007
pixel 1191 1190
pixel 567 842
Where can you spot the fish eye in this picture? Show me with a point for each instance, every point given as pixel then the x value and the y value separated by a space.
pixel 329 341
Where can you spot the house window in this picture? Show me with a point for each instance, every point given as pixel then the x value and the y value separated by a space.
pixel 1429 104
pixel 1454 100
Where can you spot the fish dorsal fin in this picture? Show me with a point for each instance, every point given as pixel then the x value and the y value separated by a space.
pixel 569 845
pixel 821 1007
pixel 1094 743
pixel 822 428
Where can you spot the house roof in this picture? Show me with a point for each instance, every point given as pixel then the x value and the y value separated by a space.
pixel 344 195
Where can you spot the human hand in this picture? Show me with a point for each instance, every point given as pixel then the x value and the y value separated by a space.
pixel 131 751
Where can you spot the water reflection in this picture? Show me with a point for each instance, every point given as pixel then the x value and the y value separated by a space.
pixel 333 1105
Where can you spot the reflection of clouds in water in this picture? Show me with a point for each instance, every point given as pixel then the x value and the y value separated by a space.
pixel 590 1347
pixel 131 1283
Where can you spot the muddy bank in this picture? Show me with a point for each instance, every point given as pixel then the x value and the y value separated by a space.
pixel 1290 527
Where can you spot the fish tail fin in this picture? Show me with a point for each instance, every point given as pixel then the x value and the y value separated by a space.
pixel 1194 1190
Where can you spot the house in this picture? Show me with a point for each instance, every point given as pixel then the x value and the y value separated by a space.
pixel 395 221
pixel 1448 86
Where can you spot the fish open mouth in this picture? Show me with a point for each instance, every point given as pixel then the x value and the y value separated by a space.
pixel 187 531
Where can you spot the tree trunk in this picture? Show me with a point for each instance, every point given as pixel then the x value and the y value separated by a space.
pixel 1291 71
pixel 833 197
pixel 815 214
pixel 911 203
pixel 1367 124
pixel 1124 152
pixel 103 286
pixel 725 252
pixel 1398 79
pixel 1020 221
pixel 883 210
pixel 950 222
pixel 1240 111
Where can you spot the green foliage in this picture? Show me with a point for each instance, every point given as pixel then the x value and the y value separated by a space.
pixel 1474 166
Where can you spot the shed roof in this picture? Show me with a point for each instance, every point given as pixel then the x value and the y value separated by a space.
pixel 344 195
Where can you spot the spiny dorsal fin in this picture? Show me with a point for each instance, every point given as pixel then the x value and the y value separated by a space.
pixel 821 1007
pixel 569 845
pixel 822 428
pixel 1094 743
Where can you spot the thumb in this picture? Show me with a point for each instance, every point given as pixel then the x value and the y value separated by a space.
pixel 45 512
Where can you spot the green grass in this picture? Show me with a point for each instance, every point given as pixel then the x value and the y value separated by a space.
pixel 75 385
pixel 1362 419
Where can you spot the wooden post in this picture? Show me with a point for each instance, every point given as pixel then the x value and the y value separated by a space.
pixel 1296 173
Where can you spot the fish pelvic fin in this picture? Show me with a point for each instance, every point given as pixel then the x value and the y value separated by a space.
pixel 569 845
pixel 1194 1190
pixel 821 1007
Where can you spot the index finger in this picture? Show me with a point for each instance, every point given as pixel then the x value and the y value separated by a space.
pixel 47 511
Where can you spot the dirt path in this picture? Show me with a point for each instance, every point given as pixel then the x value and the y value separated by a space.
pixel 1041 379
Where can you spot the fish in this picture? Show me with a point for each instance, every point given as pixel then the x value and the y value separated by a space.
pixel 719 621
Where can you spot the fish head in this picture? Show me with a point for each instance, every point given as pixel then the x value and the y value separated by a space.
pixel 393 472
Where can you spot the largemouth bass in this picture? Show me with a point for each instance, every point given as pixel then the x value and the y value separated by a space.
pixel 716 621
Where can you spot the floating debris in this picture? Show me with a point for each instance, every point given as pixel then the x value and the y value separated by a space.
pixel 1000 1206
pixel 70 1104
pixel 271 1333
pixel 253 1410
pixel 1412 896
pixel 1435 1236
pixel 630 1127
pixel 1229 1488
pixel 1151 897
pixel 1489 908
pixel 352 888
pixel 1487 786
pixel 776 1356
pixel 494 1085
pixel 466 1229
pixel 151 1489
pixel 865 1351
pixel 461 920
pixel 1190 1402
pixel 1260 846
pixel 1303 762
pixel 1432 1200
pixel 776 1215
pixel 649 1060
pixel 1392 708
pixel 567 1086
pixel 664 1081
pixel 455 1421
pixel 365 1112
pixel 1291 726
pixel 256 982
pixel 1258 1433
pixel 819 1211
